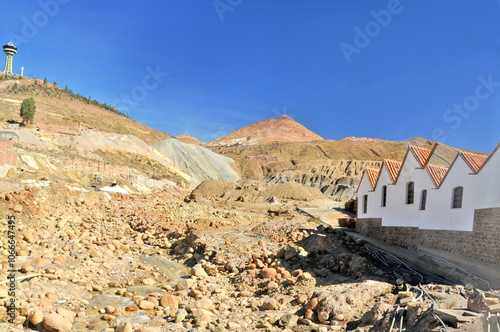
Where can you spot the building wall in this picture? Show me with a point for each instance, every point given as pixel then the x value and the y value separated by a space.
pixel 490 182
pixel 7 155
pixel 480 190
pixel 482 243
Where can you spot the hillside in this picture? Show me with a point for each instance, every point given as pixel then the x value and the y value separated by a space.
pixel 199 162
pixel 280 129
pixel 80 140
pixel 333 166
pixel 189 139
pixel 58 107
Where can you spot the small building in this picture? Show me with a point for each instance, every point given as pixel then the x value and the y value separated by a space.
pixel 412 203
pixel 8 158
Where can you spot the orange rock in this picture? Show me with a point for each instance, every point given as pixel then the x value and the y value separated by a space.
pixel 313 304
pixel 268 272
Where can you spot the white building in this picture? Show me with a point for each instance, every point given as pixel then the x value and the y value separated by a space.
pixel 413 193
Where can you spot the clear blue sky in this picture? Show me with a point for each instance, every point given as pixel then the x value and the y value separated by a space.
pixel 381 69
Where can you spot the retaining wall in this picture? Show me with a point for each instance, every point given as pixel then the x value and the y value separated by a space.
pixel 482 243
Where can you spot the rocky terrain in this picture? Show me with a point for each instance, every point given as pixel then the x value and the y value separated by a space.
pixel 92 261
pixel 333 166
pixel 336 179
pixel 101 231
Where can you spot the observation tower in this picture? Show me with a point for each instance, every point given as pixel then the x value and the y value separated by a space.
pixel 9 50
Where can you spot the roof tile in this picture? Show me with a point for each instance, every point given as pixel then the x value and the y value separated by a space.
pixel 421 154
pixel 474 161
pixel 393 168
pixel 372 174
pixel 437 174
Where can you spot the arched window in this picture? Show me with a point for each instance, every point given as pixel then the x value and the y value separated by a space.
pixel 410 193
pixel 384 196
pixel 458 193
pixel 365 203
pixel 423 199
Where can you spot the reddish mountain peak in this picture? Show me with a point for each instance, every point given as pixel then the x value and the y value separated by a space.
pixel 280 129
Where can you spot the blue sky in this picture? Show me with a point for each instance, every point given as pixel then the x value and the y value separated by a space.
pixel 381 69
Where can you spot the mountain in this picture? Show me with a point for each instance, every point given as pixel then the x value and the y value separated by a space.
pixel 199 162
pixel 189 139
pixel 333 166
pixel 74 138
pixel 280 129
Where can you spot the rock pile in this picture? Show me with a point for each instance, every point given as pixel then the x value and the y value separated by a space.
pixel 156 263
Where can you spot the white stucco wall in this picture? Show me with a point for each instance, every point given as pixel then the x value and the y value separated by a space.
pixel 366 189
pixel 489 182
pixel 480 190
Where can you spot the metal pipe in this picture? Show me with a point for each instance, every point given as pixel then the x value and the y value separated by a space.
pixel 394 318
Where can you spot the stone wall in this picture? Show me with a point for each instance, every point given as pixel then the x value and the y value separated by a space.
pixel 483 243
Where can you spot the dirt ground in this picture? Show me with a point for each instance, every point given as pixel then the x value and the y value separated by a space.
pixel 165 262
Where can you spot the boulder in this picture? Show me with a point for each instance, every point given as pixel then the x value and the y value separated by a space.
pixel 55 322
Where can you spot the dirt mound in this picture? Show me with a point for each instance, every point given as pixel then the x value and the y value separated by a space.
pixel 200 163
pixel 255 192
pixel 292 191
pixel 214 188
pixel 280 129
pixel 282 226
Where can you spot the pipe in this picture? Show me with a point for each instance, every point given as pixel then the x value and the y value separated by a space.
pixel 401 262
pixel 401 321
pixel 19 278
pixel 394 318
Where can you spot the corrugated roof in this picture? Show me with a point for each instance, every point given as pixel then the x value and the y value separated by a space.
pixel 421 154
pixel 474 161
pixel 393 168
pixel 437 174
pixel 372 174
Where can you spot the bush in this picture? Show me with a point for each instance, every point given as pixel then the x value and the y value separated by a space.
pixel 28 109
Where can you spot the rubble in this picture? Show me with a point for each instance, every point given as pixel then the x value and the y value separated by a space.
pixel 152 262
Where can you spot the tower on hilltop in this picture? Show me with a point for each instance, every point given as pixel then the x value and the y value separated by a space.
pixel 9 50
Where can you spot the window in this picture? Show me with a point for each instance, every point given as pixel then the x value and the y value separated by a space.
pixel 365 203
pixel 384 196
pixel 410 192
pixel 458 193
pixel 423 199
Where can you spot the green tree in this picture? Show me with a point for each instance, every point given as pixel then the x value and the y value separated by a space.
pixel 14 87
pixel 45 80
pixel 28 109
pixel 55 83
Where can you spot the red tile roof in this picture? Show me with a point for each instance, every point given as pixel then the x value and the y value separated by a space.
pixel 437 174
pixel 421 154
pixel 474 161
pixel 393 168
pixel 372 174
